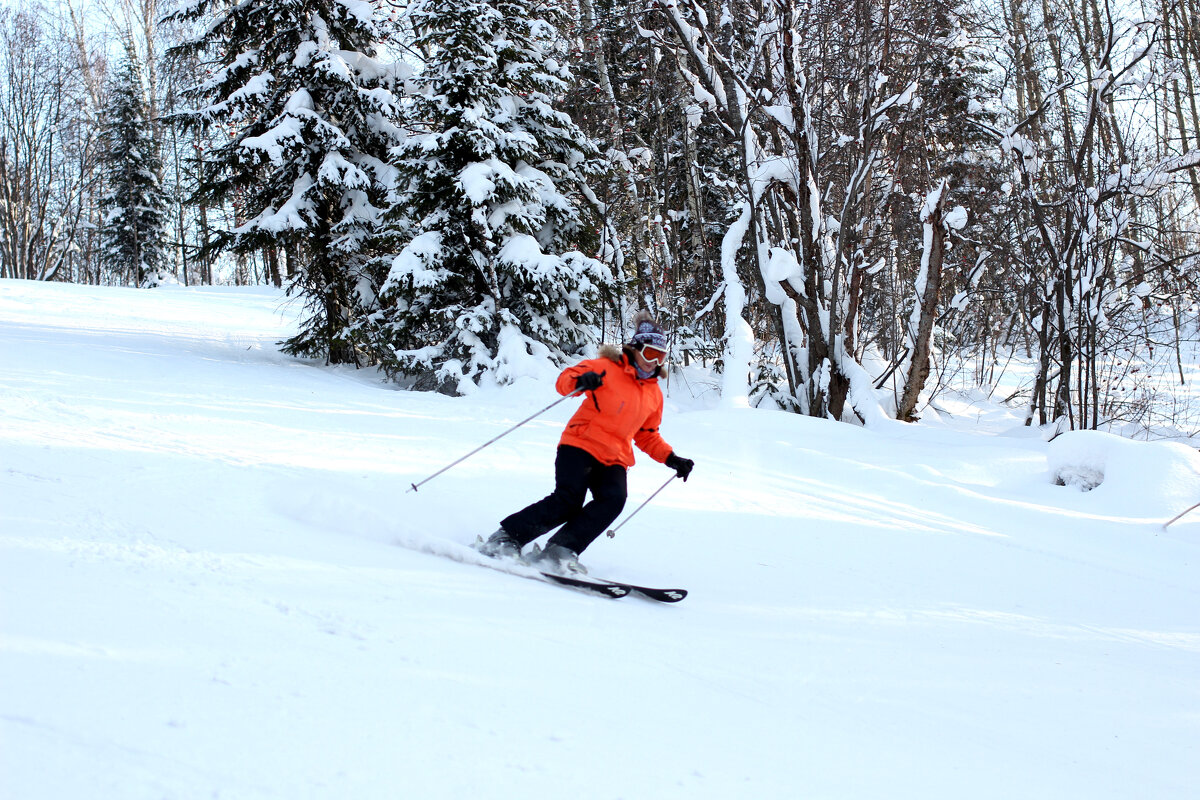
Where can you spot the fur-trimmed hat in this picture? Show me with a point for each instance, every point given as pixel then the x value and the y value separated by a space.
pixel 647 331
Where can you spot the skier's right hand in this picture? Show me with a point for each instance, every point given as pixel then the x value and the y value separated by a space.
pixel 589 381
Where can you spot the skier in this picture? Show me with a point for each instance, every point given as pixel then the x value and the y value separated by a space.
pixel 622 405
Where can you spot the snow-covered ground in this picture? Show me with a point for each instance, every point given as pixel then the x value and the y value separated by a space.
pixel 213 584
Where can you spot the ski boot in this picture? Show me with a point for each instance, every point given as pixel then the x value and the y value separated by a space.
pixel 557 559
pixel 500 544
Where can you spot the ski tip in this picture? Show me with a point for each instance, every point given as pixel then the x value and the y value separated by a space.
pixel 661 595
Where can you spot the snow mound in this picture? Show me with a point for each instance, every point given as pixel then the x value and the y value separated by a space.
pixel 1151 476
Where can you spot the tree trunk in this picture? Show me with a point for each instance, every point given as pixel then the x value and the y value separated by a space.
pixel 272 256
pixel 929 282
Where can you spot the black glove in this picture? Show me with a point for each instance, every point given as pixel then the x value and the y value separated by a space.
pixel 589 381
pixel 682 466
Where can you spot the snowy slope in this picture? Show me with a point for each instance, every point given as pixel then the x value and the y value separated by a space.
pixel 213 584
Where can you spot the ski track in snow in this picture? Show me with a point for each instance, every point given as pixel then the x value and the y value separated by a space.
pixel 215 584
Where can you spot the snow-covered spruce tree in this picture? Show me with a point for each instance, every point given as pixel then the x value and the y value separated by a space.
pixel 308 113
pixel 484 280
pixel 134 204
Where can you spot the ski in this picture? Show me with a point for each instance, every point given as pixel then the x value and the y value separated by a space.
pixel 649 592
pixel 600 586
pixel 604 588
pixel 512 567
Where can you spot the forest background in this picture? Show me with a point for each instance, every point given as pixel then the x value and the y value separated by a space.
pixel 842 208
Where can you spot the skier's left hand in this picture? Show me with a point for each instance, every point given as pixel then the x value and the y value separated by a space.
pixel 682 466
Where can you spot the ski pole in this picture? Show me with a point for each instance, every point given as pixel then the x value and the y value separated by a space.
pixel 1180 515
pixel 416 486
pixel 613 532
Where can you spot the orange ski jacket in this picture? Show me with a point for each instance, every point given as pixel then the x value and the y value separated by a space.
pixel 624 410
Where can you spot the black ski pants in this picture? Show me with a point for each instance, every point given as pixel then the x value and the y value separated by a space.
pixel 576 472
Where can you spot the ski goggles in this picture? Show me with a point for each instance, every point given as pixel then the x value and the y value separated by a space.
pixel 654 355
